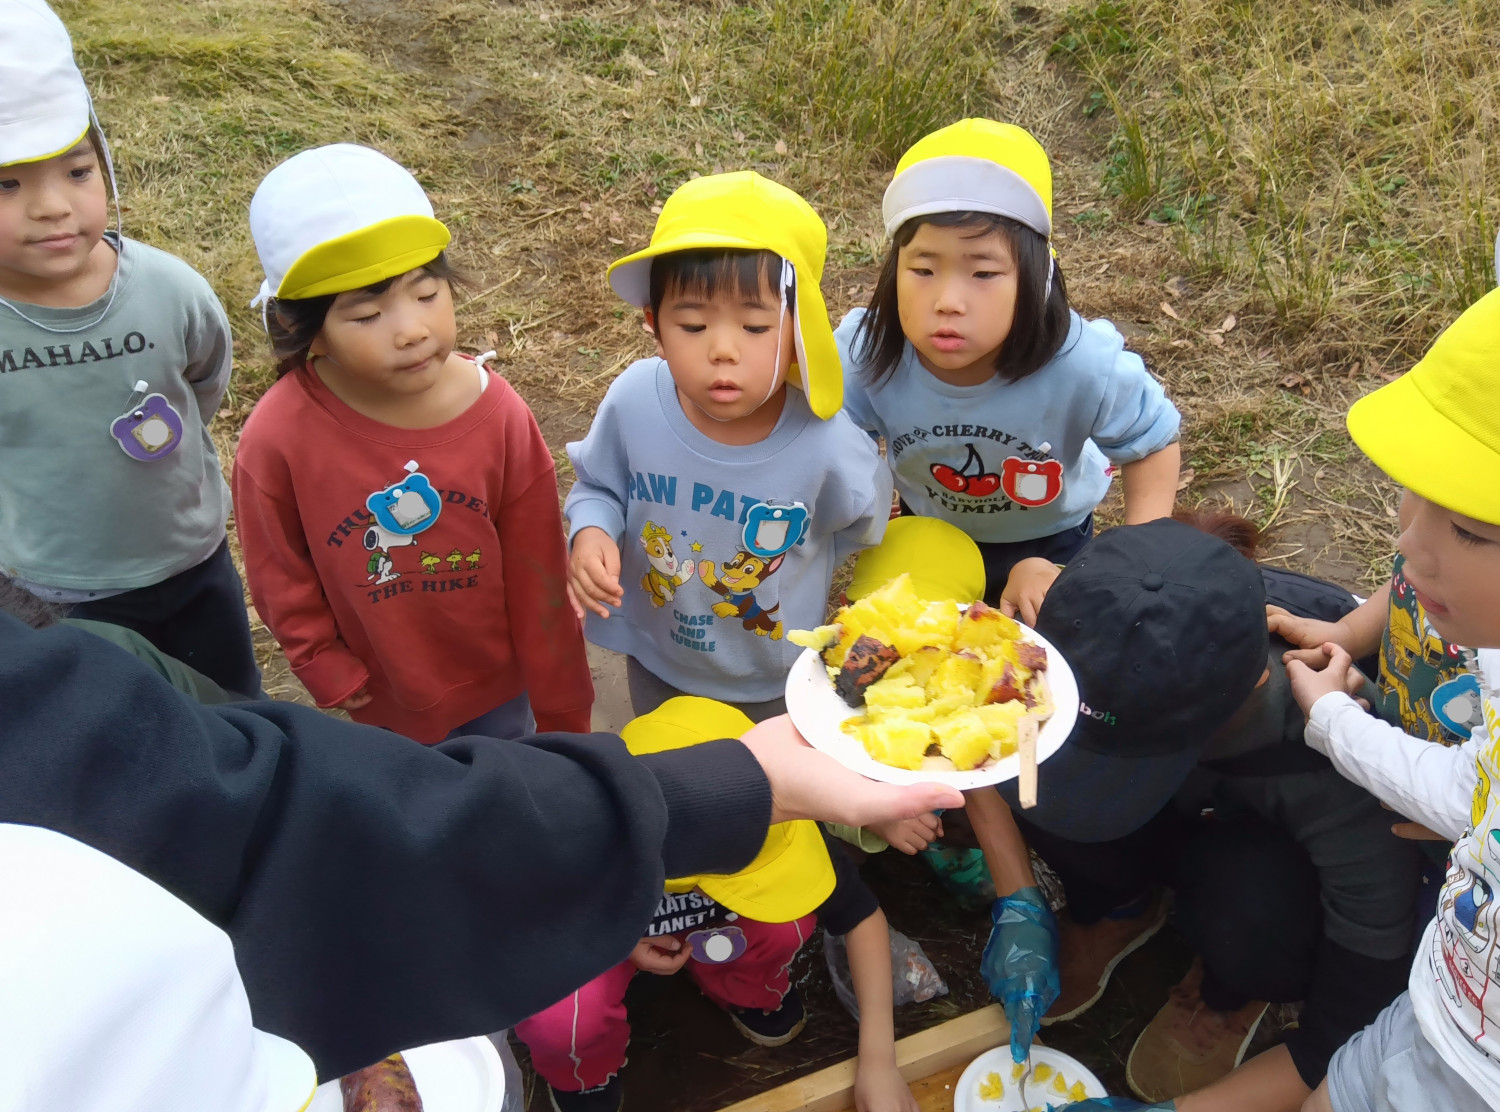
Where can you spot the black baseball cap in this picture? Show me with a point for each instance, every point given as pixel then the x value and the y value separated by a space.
pixel 1165 628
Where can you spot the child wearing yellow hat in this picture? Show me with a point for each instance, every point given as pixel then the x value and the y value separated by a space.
pixel 113 359
pixel 1003 411
pixel 395 500
pixel 718 490
pixel 1436 431
pixel 736 935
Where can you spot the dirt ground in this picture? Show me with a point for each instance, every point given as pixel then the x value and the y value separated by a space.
pixel 1263 436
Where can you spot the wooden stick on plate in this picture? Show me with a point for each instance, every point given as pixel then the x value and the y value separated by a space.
pixel 1026 750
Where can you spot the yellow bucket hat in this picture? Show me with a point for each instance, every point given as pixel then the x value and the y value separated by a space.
pixel 339 218
pixel 975 165
pixel 744 211
pixel 942 560
pixel 792 875
pixel 1436 429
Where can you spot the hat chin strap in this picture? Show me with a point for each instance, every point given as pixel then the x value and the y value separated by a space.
pixel 788 274
pixel 114 279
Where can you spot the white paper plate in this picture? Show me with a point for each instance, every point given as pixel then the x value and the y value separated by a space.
pixel 818 712
pixel 966 1096
pixel 464 1075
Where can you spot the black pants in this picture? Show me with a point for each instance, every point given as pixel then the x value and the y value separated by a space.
pixel 1001 556
pixel 1247 897
pixel 197 615
pixel 1249 904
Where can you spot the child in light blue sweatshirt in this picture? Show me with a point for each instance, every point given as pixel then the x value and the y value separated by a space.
pixel 713 503
pixel 1004 412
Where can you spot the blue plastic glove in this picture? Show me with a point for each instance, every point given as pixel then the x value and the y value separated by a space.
pixel 1114 1104
pixel 1020 964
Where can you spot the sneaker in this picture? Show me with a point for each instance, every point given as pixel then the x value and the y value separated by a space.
pixel 772 1028
pixel 1086 956
pixel 1188 1045
pixel 609 1097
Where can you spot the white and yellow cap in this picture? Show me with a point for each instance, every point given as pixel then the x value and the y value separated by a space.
pixel 744 211
pixel 115 996
pixel 339 218
pixel 44 105
pixel 975 165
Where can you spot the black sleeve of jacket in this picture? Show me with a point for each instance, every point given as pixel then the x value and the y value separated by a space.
pixel 851 902
pixel 380 894
pixel 1348 991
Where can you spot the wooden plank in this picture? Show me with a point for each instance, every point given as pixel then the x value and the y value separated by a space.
pixel 946 1047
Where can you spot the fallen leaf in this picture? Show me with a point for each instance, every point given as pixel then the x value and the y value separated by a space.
pixel 1215 338
pixel 1177 285
pixel 1390 376
pixel 1185 478
pixel 1229 322
pixel 159 99
pixel 1171 312
pixel 698 149
pixel 1294 381
pixel 781 146
pixel 695 102
pixel 1353 371
pixel 1150 223
pixel 585 208
pixel 656 209
pixel 1182 343
pixel 616 242
pixel 737 136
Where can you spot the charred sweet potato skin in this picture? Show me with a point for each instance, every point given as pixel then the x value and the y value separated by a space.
pixel 867 661
pixel 387 1086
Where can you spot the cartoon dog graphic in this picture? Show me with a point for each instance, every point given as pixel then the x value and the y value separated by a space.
pixel 664 573
pixel 737 581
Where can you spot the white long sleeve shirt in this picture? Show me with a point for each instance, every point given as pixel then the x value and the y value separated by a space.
pixel 1451 790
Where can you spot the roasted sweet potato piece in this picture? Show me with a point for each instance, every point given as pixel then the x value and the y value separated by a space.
pixel 867 661
pixel 387 1086
pixel 1030 656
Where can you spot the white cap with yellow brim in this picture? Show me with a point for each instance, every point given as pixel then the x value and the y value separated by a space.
pixel 339 218
pixel 45 109
pixel 792 875
pixel 975 165
pixel 1436 429
pixel 744 211
pixel 943 561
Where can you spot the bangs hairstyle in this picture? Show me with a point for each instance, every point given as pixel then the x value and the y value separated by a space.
pixel 714 273
pixel 294 323
pixel 1041 320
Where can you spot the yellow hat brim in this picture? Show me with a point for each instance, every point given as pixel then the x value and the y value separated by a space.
pixel 817 350
pixel 363 257
pixel 683 721
pixel 943 561
pixel 791 877
pixel 1406 436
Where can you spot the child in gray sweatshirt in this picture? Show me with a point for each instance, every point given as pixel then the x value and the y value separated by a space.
pixel 713 503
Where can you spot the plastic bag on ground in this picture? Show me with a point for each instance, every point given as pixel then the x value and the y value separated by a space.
pixel 914 979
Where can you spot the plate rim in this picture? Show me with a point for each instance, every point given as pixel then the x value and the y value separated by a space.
pixel 967 1079
pixel 493 1068
pixel 1050 738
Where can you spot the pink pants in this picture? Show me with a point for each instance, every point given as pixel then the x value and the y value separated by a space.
pixel 579 1042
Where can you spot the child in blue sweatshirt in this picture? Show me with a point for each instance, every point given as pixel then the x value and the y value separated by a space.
pixel 713 503
pixel 1004 412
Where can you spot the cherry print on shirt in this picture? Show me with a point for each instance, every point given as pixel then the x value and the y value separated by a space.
pixel 971 479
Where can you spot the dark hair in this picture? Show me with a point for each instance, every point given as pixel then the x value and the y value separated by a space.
pixel 293 323
pixel 20 603
pixel 1036 333
pixel 1240 534
pixel 714 271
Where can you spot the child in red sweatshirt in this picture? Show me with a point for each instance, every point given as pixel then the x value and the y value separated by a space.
pixel 395 501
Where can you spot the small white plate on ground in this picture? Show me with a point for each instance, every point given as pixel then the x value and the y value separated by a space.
pixel 818 712
pixel 464 1075
pixel 1039 1094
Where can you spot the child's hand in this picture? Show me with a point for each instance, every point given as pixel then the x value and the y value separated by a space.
pixel 1026 587
pixel 662 956
pixel 360 698
pixel 910 835
pixel 594 572
pixel 879 1087
pixel 1308 634
pixel 1336 674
